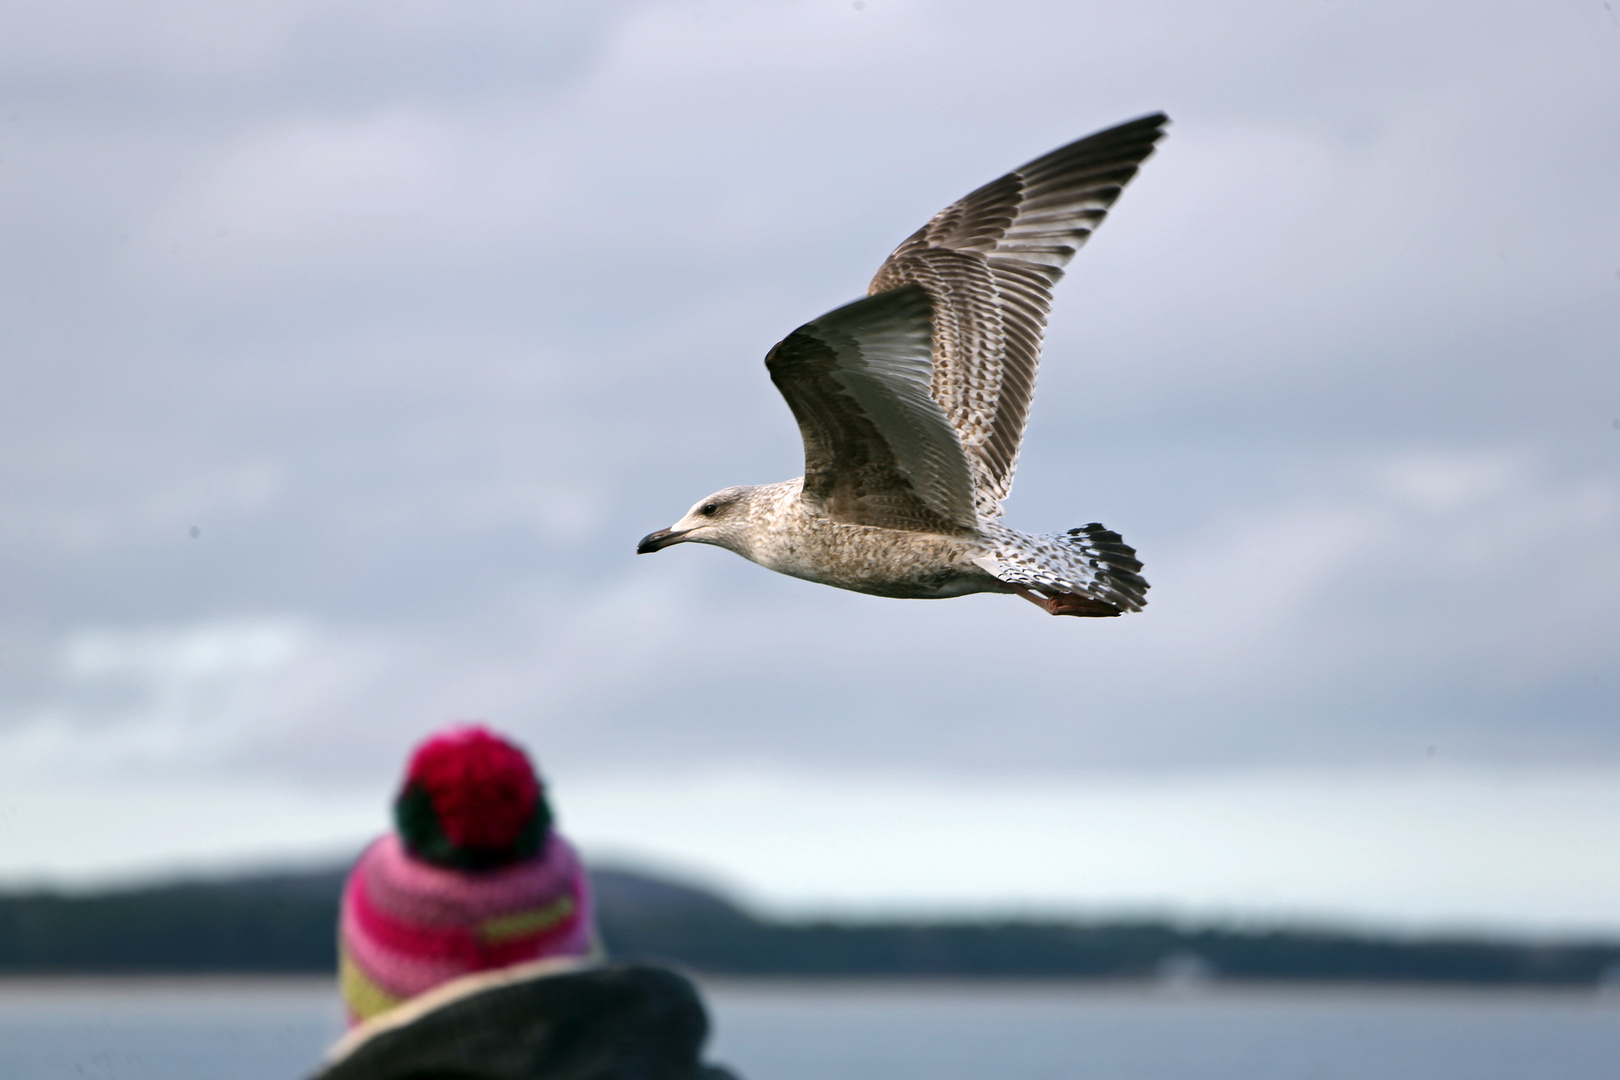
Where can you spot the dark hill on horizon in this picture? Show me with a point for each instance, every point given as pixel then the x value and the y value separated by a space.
pixel 285 923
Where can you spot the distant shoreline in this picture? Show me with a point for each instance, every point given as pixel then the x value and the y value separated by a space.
pixel 279 930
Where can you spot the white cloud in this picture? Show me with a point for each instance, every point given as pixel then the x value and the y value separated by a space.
pixel 99 829
pixel 1443 482
pixel 162 702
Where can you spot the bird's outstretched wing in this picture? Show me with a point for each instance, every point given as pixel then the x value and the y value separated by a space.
pixel 989 263
pixel 878 449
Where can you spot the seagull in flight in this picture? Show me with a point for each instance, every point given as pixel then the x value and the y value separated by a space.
pixel 912 404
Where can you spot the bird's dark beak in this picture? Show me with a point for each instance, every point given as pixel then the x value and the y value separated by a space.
pixel 657 541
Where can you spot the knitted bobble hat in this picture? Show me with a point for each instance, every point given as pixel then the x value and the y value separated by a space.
pixel 471 801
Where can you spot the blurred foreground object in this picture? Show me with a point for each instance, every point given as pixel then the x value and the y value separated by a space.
pixel 912 405
pixel 550 1020
pixel 473 879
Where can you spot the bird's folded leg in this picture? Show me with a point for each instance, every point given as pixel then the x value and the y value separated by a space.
pixel 1068 604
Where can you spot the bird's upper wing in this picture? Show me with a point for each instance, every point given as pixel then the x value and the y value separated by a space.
pixel 878 449
pixel 989 263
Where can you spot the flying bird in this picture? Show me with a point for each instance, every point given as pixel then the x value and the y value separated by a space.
pixel 912 404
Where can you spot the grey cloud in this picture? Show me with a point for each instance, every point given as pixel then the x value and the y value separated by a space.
pixel 423 316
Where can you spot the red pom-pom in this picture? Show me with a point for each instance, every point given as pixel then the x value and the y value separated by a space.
pixel 483 788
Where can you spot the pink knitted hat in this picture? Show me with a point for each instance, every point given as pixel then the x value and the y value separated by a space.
pixel 474 879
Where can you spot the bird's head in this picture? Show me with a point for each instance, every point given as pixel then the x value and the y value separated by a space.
pixel 723 519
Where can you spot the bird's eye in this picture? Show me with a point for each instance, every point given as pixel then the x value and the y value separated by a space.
pixel 708 509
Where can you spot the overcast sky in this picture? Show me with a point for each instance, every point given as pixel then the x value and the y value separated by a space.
pixel 349 348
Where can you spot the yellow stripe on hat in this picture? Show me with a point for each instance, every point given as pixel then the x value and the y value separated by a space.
pixel 364 998
pixel 519 923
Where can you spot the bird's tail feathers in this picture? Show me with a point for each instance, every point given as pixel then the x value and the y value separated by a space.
pixel 1116 569
pixel 1091 562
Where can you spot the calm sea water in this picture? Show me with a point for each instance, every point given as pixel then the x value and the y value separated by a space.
pixel 267 1030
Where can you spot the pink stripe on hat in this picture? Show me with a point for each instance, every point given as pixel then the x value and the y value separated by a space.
pixel 408 925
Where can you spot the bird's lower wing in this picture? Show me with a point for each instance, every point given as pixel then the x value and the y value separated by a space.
pixel 878 449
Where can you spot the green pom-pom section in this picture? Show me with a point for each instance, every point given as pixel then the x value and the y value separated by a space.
pixel 425 839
